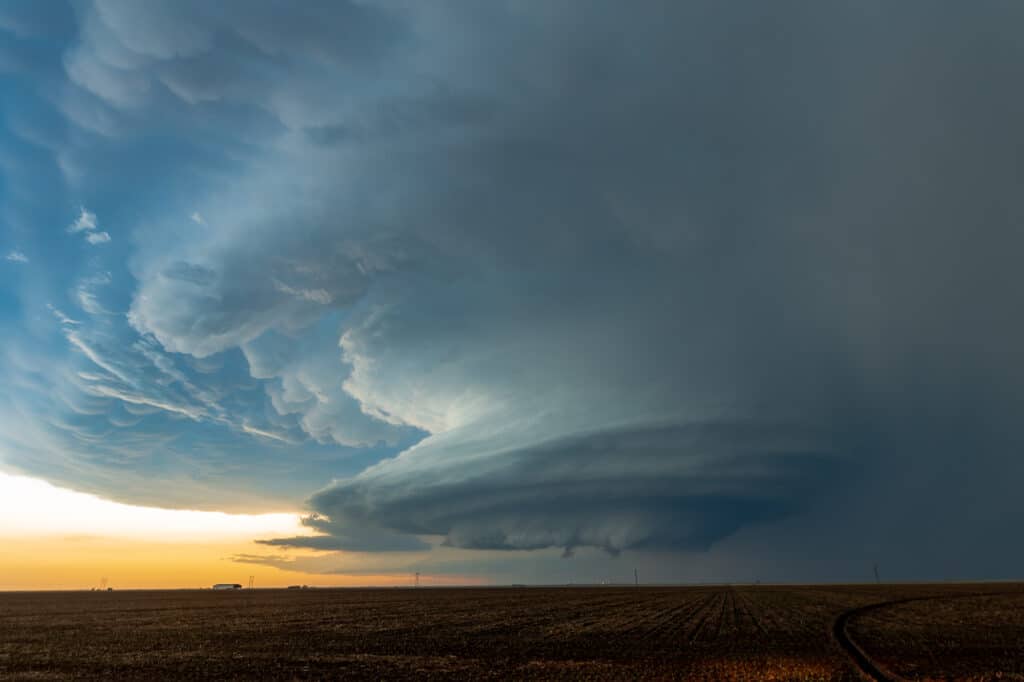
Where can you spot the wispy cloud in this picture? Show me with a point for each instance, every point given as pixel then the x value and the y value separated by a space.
pixel 16 257
pixel 264 433
pixel 59 314
pixel 192 412
pixel 78 342
pixel 321 296
pixel 87 301
pixel 85 221
pixel 85 293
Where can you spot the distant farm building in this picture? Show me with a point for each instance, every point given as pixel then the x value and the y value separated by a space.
pixel 227 586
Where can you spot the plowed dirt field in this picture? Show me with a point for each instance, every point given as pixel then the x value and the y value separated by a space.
pixel 702 633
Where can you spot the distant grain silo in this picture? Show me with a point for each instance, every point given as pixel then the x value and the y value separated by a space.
pixel 227 586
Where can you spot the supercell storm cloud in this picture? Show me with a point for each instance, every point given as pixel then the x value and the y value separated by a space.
pixel 525 275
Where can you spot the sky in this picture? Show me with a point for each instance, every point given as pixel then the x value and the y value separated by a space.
pixel 515 291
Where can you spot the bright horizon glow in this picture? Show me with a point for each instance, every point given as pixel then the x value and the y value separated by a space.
pixel 56 539
pixel 31 507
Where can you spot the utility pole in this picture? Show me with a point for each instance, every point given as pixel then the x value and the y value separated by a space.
pixel 417 583
pixel 252 579
pixel 636 578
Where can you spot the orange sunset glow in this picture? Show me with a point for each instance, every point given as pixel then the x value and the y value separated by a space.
pixel 56 539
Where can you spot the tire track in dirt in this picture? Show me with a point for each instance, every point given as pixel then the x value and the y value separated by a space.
pixel 866 665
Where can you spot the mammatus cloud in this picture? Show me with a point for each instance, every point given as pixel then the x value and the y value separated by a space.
pixel 605 281
pixel 16 256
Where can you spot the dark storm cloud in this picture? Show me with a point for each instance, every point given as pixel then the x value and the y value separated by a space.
pixel 667 487
pixel 756 217
pixel 338 537
pixel 641 278
pixel 374 543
